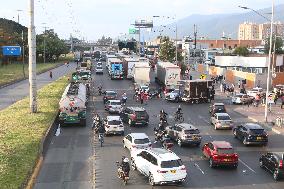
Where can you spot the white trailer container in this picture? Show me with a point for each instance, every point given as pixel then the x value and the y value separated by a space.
pixel 168 74
pixel 108 59
pixel 141 73
pixel 128 66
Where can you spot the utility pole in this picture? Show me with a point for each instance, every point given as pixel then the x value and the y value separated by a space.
pixel 32 59
pixel 44 44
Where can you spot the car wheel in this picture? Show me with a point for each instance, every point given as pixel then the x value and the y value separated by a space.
pixel 179 142
pixel 211 164
pixel 235 166
pixel 261 163
pixel 276 175
pixel 235 133
pixel 151 180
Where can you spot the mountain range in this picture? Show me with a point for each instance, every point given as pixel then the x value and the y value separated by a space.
pixel 215 25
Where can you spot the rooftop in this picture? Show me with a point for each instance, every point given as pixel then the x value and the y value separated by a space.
pixel 222 144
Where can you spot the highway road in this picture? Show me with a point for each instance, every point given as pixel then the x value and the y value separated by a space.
pixel 17 91
pixel 76 160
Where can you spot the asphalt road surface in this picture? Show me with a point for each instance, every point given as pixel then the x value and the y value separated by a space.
pixel 76 160
pixel 15 92
pixel 200 175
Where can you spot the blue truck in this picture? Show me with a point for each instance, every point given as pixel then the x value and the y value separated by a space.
pixel 116 68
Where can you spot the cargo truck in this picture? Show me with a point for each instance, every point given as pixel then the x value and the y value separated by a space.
pixel 108 58
pixel 141 74
pixel 168 74
pixel 116 68
pixel 128 65
pixel 72 106
pixel 195 91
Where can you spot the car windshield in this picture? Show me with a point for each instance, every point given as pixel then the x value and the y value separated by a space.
pixel 141 141
pixel 225 151
pixel 171 163
pixel 114 122
pixel 141 114
pixel 224 118
pixel 256 131
pixel 115 103
pixel 193 131
pixel 111 94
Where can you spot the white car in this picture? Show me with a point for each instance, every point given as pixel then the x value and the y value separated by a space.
pixel 255 91
pixel 113 106
pixel 159 165
pixel 222 121
pixel 113 125
pixel 99 70
pixel 136 141
pixel 242 99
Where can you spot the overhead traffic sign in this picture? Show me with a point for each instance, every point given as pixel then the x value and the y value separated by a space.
pixel 11 50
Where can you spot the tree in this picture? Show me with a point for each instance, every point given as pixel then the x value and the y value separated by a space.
pixel 168 50
pixel 241 51
pixel 53 45
pixel 278 45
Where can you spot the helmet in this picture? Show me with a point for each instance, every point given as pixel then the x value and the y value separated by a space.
pixel 162 110
pixel 125 160
pixel 179 106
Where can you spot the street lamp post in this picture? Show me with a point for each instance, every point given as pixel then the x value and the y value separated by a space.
pixel 44 44
pixel 269 56
pixel 32 59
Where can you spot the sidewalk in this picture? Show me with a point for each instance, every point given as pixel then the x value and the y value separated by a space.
pixel 15 92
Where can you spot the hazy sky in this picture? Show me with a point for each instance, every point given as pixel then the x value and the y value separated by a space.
pixel 93 18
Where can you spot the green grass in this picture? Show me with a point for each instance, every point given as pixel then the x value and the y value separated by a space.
pixel 21 133
pixel 12 72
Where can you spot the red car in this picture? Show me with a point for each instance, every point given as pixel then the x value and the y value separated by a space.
pixel 220 153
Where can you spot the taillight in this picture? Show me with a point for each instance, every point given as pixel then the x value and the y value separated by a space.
pixel 107 126
pixel 133 146
pixel 159 171
pixel 150 145
pixel 183 168
pixel 281 164
pixel 215 156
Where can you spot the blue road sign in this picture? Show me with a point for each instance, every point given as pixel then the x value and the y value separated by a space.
pixel 11 50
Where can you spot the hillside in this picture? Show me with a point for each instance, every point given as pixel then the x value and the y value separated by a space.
pixel 213 26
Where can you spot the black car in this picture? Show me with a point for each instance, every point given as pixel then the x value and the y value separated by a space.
pixel 135 116
pixel 109 95
pixel 273 162
pixel 217 108
pixel 251 133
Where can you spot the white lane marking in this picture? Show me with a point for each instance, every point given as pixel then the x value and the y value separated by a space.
pixel 197 166
pixel 247 166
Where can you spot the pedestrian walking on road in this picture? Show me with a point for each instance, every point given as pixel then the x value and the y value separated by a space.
pixel 282 101
pixel 50 74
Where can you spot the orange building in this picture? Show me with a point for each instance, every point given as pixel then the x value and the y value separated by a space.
pixel 230 43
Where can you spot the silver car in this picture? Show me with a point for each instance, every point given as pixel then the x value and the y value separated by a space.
pixel 113 106
pixel 241 99
pixel 222 121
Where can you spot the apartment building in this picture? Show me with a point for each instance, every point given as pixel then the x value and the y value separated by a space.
pixel 264 30
pixel 248 31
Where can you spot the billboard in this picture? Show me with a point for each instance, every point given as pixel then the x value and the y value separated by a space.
pixel 11 50
pixel 143 24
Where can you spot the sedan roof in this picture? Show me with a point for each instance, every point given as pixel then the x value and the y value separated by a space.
pixel 253 126
pixel 138 135
pixel 222 144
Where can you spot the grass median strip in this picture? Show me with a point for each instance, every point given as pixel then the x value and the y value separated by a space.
pixel 21 133
pixel 12 72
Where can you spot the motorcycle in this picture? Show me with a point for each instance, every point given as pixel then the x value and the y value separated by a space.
pixel 123 175
pixel 179 117
pixel 101 139
pixel 100 92
pixel 162 137
pixel 154 95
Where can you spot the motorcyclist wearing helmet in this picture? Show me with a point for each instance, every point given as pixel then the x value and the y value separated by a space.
pixel 125 166
pixel 163 115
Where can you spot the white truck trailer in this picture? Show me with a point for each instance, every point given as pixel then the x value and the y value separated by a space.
pixel 141 74
pixel 168 74
pixel 128 66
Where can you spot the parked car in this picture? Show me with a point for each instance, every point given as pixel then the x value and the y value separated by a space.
pixel 220 153
pixel 136 141
pixel 113 106
pixel 251 133
pixel 173 96
pixel 113 125
pixel 222 121
pixel 184 133
pixel 135 116
pixel 109 95
pixel 159 165
pixel 273 162
pixel 217 108
pixel 242 99
pixel 99 70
